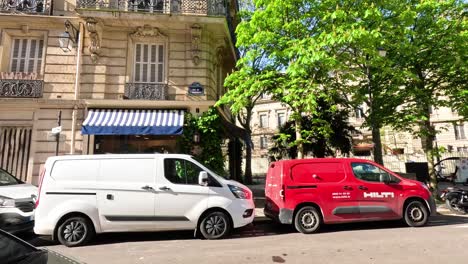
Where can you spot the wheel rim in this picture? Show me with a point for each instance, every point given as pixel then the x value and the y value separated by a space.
pixel 74 231
pixel 215 225
pixel 308 220
pixel 416 214
pixel 454 204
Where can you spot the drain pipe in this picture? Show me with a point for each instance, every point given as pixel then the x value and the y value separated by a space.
pixel 77 86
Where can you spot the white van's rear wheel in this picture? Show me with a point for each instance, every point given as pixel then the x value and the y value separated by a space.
pixel 75 231
pixel 307 220
pixel 215 225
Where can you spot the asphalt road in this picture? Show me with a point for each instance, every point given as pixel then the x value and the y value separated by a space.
pixel 445 239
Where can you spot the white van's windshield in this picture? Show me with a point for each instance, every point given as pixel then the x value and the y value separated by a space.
pixel 7 179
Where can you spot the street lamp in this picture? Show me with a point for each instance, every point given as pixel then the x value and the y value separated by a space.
pixel 68 37
pixel 382 52
pixel 196 137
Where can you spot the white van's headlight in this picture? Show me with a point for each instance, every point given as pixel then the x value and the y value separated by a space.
pixel 6 202
pixel 239 192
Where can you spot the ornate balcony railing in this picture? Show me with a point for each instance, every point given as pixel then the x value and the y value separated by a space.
pixel 146 91
pixel 194 7
pixel 25 6
pixel 21 88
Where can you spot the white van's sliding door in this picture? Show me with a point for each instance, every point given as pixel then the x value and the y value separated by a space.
pixel 126 196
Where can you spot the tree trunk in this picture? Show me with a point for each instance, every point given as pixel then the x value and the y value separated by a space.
pixel 248 164
pixel 300 145
pixel 428 146
pixel 235 160
pixel 378 156
pixel 248 148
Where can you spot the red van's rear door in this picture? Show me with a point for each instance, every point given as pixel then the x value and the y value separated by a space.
pixel 273 190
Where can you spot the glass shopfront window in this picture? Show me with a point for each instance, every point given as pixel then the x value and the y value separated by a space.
pixel 119 144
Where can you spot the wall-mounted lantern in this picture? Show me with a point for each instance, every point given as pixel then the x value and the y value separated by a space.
pixel 68 37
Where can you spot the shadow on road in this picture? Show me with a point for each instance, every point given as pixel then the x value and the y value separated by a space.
pixel 257 229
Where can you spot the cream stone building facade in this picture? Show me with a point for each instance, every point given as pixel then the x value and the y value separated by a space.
pixel 398 146
pixel 112 68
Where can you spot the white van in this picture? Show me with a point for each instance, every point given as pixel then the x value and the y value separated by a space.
pixel 80 196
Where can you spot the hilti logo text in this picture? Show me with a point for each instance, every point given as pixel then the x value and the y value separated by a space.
pixel 379 195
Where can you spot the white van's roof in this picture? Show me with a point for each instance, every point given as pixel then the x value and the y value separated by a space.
pixel 115 156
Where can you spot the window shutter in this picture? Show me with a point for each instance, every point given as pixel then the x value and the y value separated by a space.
pixel 457 134
pixel 22 55
pixel 462 131
pixel 32 55
pixel 39 55
pixel 149 63
pixel 161 63
pixel 137 63
pixel 26 55
pixel 15 55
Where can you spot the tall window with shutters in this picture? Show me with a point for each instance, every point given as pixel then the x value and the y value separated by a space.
pixel 26 55
pixel 149 63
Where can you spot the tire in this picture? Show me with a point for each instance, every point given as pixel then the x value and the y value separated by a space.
pixel 307 220
pixel 416 214
pixel 75 231
pixel 215 225
pixel 451 204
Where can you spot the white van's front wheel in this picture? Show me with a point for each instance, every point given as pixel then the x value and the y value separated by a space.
pixel 75 231
pixel 215 225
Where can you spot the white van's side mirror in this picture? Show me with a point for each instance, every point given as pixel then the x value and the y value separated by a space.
pixel 203 178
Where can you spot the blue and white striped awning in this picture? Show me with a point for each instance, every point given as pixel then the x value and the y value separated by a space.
pixel 133 122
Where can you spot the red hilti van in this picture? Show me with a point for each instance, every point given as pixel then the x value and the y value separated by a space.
pixel 309 192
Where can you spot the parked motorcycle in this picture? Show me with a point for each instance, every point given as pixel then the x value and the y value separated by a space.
pixel 456 199
pixel 445 169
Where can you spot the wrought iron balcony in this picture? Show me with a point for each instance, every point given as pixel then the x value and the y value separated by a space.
pixel 146 91
pixel 21 88
pixel 39 7
pixel 190 7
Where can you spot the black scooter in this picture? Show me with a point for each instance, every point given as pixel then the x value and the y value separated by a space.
pixel 456 199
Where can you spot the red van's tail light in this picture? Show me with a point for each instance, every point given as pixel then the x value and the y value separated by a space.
pixel 41 178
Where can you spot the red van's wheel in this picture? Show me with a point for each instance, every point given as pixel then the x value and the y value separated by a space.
pixel 307 220
pixel 416 214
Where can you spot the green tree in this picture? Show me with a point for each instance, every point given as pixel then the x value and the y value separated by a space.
pixel 245 87
pixel 433 53
pixel 316 145
pixel 286 36
pixel 209 127
pixel 365 74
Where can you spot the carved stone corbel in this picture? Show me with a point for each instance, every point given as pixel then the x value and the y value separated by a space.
pixel 220 55
pixel 147 31
pixel 95 43
pixel 196 34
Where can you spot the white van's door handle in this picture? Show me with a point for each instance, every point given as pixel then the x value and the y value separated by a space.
pixel 147 188
pixel 164 188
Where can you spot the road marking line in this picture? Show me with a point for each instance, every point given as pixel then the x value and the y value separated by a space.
pixel 461 226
